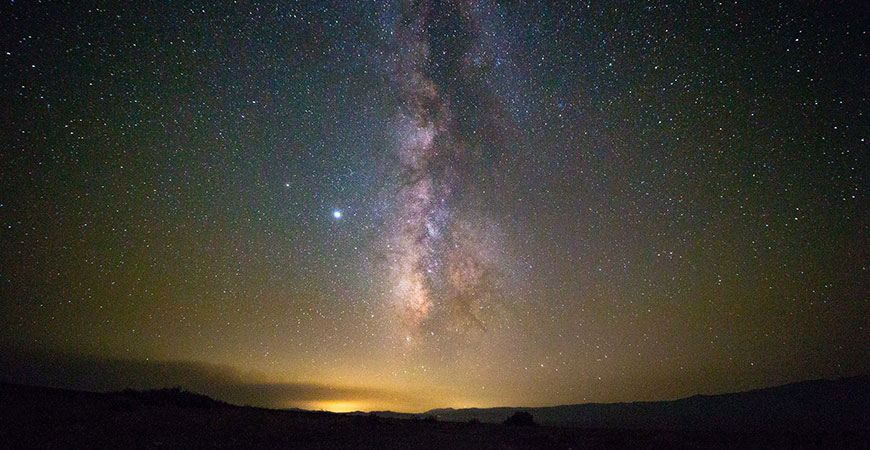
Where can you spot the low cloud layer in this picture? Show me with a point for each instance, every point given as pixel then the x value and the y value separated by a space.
pixel 222 382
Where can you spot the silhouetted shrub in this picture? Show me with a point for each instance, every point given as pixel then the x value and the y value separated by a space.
pixel 520 418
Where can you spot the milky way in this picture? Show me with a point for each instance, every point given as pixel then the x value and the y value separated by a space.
pixel 437 268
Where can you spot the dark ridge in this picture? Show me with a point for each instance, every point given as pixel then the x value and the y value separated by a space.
pixel 816 405
pixel 175 396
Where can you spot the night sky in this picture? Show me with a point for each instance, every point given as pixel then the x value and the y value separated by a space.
pixel 407 204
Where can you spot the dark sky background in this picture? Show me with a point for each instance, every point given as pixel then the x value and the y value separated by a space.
pixel 408 204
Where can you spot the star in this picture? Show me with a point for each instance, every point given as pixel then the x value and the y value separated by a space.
pixel 336 214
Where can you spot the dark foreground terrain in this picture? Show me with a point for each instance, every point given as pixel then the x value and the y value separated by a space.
pixel 36 417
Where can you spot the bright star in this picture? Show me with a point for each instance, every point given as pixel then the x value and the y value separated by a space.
pixel 336 214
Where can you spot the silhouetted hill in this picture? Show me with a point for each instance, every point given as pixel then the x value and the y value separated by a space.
pixel 172 397
pixel 842 404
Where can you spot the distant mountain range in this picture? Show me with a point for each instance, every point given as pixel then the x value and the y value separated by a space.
pixel 819 405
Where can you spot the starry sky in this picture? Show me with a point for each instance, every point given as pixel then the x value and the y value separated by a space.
pixel 412 204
